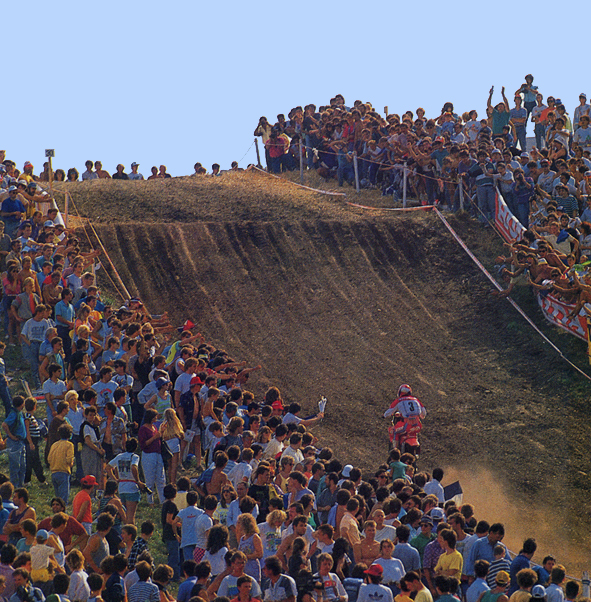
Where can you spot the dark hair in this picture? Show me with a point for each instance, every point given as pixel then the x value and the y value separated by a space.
pixel 147 527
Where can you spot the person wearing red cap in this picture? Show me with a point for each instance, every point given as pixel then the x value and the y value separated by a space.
pixel 372 590
pixel 82 504
pixel 28 173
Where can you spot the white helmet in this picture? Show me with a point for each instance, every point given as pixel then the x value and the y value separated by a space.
pixel 404 390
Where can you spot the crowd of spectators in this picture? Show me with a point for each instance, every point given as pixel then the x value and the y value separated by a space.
pixel 253 505
pixel 443 150
pixel 547 188
pixel 94 171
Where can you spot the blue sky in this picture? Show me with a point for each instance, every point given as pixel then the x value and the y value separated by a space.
pixel 182 81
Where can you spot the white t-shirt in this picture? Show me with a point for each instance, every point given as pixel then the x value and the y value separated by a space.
pixel 124 463
pixel 371 592
pixel 188 517
pixel 393 569
pixel 386 532
pixel 271 538
pixel 218 564
pixel 202 525
pixel 239 472
pixel 183 382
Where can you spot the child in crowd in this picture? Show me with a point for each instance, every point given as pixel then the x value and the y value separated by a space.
pixel 96 585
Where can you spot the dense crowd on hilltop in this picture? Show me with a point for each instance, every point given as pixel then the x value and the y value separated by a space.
pixel 546 188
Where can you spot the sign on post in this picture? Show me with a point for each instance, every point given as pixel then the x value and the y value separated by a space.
pixel 49 153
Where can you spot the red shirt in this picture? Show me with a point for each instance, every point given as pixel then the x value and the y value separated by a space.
pixel 73 527
pixel 81 497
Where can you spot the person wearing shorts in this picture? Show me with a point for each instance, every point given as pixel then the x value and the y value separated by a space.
pixel 124 468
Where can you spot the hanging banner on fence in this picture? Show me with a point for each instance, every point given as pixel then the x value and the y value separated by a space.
pixel 507 224
pixel 554 311
pixel 557 313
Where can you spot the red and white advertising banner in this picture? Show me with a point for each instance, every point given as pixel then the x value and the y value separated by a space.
pixel 555 311
pixel 507 224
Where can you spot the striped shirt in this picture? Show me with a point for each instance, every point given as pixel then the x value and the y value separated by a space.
pixel 33 426
pixel 143 591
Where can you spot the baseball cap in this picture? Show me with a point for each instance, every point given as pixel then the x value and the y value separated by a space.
pixel 161 382
pixel 375 570
pixel 437 514
pixel 347 471
pixel 538 591
pixel 195 381
pixel 581 95
pixel 49 224
pixel 426 521
pixel 89 480
pixel 42 534
pixel 502 578
pixel 134 164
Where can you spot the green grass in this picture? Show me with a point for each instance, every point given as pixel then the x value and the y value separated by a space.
pixel 40 495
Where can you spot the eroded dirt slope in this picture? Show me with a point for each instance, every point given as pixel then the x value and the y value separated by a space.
pixel 350 309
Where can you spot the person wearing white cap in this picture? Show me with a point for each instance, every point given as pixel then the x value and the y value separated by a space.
pixel 582 109
pixel 134 175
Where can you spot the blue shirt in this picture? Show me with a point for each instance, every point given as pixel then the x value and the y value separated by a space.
pixel 184 593
pixel 481 550
pixel 10 206
pixel 409 557
pixel 66 311
pixel 519 562
pixel 478 587
pixel 16 423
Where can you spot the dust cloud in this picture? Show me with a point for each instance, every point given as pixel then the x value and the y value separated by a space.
pixel 549 526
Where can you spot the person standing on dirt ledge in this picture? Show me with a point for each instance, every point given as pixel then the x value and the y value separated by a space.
pixel 134 175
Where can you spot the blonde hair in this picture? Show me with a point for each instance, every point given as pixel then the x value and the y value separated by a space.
pixel 27 281
pixel 247 524
pixel 276 516
pixel 171 426
pixel 70 395
pixel 83 329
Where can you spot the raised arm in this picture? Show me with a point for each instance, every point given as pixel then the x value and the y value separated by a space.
pixel 505 99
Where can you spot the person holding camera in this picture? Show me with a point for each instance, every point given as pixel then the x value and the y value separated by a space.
pixel 25 592
pixel 263 130
pixel 523 191
pixel 329 583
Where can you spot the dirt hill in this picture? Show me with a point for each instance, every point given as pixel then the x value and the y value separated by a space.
pixel 344 303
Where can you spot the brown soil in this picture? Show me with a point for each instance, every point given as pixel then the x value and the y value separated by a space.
pixel 349 304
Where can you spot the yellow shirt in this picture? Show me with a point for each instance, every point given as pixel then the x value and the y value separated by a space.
pixel 450 562
pixel 61 456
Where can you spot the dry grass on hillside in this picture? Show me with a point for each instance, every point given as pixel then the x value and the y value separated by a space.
pixel 243 196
